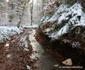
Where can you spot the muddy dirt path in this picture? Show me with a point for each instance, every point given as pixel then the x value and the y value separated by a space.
pixel 23 52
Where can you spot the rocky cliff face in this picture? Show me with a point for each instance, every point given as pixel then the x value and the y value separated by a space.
pixel 63 19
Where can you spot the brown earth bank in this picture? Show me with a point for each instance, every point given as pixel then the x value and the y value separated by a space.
pixel 63 51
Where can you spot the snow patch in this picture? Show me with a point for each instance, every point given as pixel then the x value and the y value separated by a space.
pixel 30 26
pixel 6 32
pixel 28 67
pixel 60 10
pixel 24 43
pixel 76 44
pixel 62 31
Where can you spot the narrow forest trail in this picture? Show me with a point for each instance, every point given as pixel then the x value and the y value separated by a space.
pixel 18 54
pixel 45 60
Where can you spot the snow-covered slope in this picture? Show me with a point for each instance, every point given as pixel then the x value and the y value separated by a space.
pixel 6 32
pixel 64 20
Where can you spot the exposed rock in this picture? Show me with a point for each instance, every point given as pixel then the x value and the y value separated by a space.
pixel 67 62
pixel 64 30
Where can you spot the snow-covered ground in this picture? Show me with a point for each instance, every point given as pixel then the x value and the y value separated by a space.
pixel 7 31
pixel 24 43
pixel 30 26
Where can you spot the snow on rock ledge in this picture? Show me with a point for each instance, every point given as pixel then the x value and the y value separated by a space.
pixel 64 20
pixel 6 32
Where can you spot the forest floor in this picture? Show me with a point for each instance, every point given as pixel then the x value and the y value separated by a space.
pixel 23 52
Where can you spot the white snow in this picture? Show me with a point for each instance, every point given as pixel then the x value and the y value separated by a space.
pixel 7 31
pixel 76 45
pixel 48 30
pixel 66 41
pixel 73 16
pixel 74 11
pixel 45 19
pixel 61 18
pixel 28 67
pixel 60 10
pixel 24 43
pixel 62 31
pixel 30 26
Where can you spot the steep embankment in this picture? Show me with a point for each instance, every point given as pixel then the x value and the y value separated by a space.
pixel 64 27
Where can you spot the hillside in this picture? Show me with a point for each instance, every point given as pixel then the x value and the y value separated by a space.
pixel 62 29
